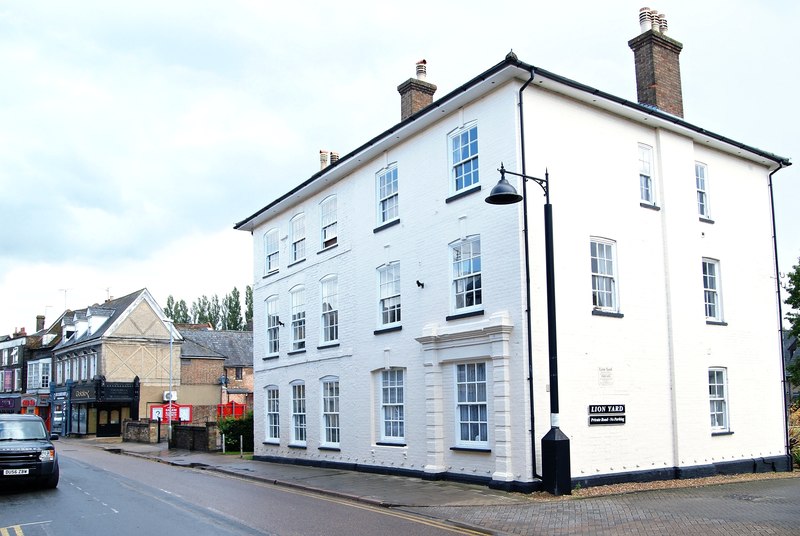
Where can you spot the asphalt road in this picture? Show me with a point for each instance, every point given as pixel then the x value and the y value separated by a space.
pixel 108 494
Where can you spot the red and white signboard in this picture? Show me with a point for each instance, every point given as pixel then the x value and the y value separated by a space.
pixel 179 413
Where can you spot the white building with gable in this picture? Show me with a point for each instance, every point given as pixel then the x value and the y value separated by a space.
pixel 390 324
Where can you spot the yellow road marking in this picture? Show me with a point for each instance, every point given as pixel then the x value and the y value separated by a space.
pixel 16 528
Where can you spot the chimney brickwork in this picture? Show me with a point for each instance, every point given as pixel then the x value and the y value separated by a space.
pixel 658 72
pixel 415 93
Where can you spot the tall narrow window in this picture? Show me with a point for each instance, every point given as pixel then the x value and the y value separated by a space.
pixel 273 415
pixel 464 157
pixel 330 412
pixel 273 323
pixel 466 272
pixel 646 174
pixel 472 412
pixel 33 375
pixel 389 292
pixel 604 280
pixel 388 200
pixel 330 309
pixel 711 290
pixel 271 251
pixel 298 226
pixel 328 222
pixel 392 405
pixel 718 399
pixel 298 296
pixel 298 413
pixel 700 174
pixel 44 372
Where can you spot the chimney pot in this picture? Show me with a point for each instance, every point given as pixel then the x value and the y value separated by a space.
pixel 323 159
pixel 334 157
pixel 422 69
pixel 645 19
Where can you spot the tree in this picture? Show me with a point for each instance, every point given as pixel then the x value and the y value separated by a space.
pixel 248 306
pixel 181 312
pixel 201 311
pixel 232 311
pixel 169 310
pixel 792 288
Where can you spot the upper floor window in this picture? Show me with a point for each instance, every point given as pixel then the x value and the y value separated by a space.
pixel 646 174
pixel 237 373
pixel 328 232
pixel 711 290
pixel 464 157
pixel 701 179
pixel 273 414
pixel 298 297
pixel 4 360
pixel 393 405
pixel 273 326
pixel 389 292
pixel 466 273
pixel 15 355
pixel 604 277
pixel 718 399
pixel 330 309
pixel 472 412
pixel 298 225
pixel 271 251
pixel 388 200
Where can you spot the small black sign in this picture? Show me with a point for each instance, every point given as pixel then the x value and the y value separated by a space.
pixel 606 419
pixel 606 409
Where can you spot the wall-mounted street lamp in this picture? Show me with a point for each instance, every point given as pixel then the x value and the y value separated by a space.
pixel 556 477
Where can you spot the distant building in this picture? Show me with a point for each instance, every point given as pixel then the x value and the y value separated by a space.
pixel 390 323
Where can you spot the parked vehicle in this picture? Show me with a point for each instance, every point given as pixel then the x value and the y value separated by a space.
pixel 27 454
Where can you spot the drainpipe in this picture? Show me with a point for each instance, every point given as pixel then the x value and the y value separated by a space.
pixel 528 280
pixel 784 383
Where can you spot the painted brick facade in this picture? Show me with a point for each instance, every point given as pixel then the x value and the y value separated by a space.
pixel 652 354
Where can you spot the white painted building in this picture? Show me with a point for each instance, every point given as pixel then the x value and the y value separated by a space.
pixel 390 298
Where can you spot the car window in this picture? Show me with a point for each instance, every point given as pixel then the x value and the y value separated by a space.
pixel 20 430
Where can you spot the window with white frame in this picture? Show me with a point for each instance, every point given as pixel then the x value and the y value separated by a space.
pixel 701 180
pixel 298 413
pixel 464 157
pixel 273 414
pixel 711 290
pixel 18 379
pixel 466 273
pixel 718 399
pixel 646 174
pixel 328 220
pixel 33 375
pixel 393 405
pixel 273 326
pixel 298 297
pixel 330 412
pixel 472 414
pixel 4 361
pixel 271 251
pixel 60 373
pixel 388 199
pixel 44 374
pixel 92 365
pixel 604 277
pixel 298 226
pixel 330 309
pixel 15 355
pixel 389 294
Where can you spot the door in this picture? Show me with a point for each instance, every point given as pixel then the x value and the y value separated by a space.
pixel 108 422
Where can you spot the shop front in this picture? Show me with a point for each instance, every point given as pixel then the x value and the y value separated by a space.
pixel 99 407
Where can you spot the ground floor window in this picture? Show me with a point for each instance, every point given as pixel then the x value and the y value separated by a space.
pixel 330 412
pixel 471 406
pixel 273 415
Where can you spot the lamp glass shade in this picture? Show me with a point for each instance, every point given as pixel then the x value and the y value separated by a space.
pixel 503 194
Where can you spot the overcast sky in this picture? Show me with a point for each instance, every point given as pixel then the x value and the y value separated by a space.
pixel 133 135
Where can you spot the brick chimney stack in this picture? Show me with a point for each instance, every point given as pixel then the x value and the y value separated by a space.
pixel 658 71
pixel 415 93
pixel 39 322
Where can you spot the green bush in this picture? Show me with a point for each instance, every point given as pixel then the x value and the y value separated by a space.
pixel 794 432
pixel 234 428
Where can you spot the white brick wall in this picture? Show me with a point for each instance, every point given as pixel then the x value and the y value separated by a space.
pixel 654 360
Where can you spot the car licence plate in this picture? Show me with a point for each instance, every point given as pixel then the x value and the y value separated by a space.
pixel 11 472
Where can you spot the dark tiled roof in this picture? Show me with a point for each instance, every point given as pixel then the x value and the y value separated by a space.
pixel 118 306
pixel 236 347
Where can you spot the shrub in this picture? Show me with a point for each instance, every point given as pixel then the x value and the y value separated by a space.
pixel 234 428
pixel 794 432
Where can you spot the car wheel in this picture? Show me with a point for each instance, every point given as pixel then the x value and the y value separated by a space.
pixel 52 481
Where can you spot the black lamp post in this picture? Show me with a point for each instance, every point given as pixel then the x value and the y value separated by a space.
pixel 556 476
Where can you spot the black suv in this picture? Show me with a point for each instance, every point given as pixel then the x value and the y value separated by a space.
pixel 26 453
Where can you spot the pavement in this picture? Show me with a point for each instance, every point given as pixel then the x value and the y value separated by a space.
pixel 763 506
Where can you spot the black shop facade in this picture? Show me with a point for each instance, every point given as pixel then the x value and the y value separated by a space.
pixel 96 407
